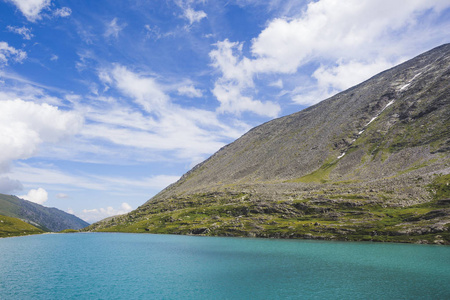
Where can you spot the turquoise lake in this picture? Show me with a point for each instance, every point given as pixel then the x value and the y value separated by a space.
pixel 146 266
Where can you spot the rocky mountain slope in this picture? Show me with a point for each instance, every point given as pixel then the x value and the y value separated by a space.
pixel 370 163
pixel 45 218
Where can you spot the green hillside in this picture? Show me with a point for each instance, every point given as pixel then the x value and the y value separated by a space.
pixel 15 227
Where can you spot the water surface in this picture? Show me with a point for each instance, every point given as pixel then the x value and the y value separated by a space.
pixel 146 266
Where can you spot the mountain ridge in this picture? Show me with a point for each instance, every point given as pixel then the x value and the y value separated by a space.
pixel 383 142
pixel 45 218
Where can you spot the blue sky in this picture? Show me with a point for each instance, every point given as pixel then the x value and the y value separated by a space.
pixel 104 103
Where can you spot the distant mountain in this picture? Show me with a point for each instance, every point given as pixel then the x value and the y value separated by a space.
pixel 370 163
pixel 15 227
pixel 45 218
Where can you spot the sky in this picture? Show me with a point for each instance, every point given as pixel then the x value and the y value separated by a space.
pixel 105 103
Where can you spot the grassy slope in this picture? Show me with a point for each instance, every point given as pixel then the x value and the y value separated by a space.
pixel 15 227
pixel 339 217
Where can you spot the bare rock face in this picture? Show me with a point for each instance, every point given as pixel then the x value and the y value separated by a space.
pixel 383 144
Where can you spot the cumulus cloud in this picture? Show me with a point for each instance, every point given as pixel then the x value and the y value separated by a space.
pixel 24 126
pixel 332 79
pixel 39 196
pixel 31 9
pixel 361 34
pixel 113 28
pixel 330 28
pixel 23 31
pixel 345 75
pixel 232 101
pixel 96 214
pixel 237 77
pixel 62 12
pixel 190 91
pixel 10 53
pixel 8 185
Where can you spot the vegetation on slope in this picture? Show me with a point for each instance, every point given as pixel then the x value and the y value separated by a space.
pixel 15 227
pixel 355 217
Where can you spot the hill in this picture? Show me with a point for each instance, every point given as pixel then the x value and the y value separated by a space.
pixel 45 218
pixel 15 227
pixel 370 163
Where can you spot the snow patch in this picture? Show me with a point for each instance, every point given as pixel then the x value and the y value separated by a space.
pixel 404 87
pixel 390 103
pixel 409 82
pixel 342 155
pixel 373 119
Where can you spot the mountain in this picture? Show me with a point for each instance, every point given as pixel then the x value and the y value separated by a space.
pixel 370 163
pixel 45 218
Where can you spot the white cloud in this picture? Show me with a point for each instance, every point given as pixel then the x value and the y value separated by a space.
pixel 96 214
pixel 311 95
pixel 330 28
pixel 7 52
pixel 23 31
pixel 157 182
pixel 62 12
pixel 126 207
pixel 189 13
pixel 144 89
pixel 70 211
pixel 187 131
pixel 332 79
pixel 62 196
pixel 52 177
pixel 361 34
pixel 115 129
pixel 26 90
pixel 228 59
pixel 236 79
pixel 345 75
pixel 39 196
pixel 31 9
pixel 8 185
pixel 278 84
pixel 190 91
pixel 153 32
pixel 194 16
pixel 54 57
pixel 24 126
pixel 113 28
pixel 232 101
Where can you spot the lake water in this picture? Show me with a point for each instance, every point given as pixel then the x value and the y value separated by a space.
pixel 146 266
